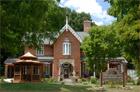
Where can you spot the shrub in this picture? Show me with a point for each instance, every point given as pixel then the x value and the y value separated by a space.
pixel 112 84
pixel 50 80
pixel 2 79
pixel 83 79
pixel 93 80
pixel 80 80
pixel 62 83
pixel 129 79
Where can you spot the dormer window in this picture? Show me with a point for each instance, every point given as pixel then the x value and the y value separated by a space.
pixel 40 51
pixel 66 47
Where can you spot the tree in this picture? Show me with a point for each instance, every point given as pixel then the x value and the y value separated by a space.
pixel 32 20
pixel 101 45
pixel 128 27
pixel 76 19
pixel 28 22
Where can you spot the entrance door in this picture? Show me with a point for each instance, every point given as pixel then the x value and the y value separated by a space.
pixel 66 73
pixel 66 70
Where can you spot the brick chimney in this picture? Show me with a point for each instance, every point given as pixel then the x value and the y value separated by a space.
pixel 87 25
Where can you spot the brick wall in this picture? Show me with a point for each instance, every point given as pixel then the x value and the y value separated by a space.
pixel 75 52
pixel 48 50
pixel 31 50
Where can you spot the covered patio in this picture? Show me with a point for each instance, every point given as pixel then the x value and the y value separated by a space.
pixel 27 69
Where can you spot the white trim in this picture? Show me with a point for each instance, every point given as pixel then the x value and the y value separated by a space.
pixel 71 30
pixel 70 61
pixel 45 58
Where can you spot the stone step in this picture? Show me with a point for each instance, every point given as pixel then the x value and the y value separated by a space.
pixel 68 81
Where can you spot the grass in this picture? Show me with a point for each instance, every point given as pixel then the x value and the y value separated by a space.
pixel 53 87
pixel 134 89
pixel 41 87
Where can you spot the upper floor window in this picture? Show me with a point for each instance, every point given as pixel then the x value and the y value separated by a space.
pixel 66 47
pixel 40 51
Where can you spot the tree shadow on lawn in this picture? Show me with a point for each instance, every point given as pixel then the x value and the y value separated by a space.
pixel 42 87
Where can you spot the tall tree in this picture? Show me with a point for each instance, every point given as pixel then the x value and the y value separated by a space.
pixel 128 27
pixel 21 18
pixel 28 22
pixel 100 45
pixel 76 19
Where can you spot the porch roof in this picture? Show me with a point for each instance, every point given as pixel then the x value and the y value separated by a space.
pixel 45 58
pixel 40 58
pixel 10 60
pixel 122 59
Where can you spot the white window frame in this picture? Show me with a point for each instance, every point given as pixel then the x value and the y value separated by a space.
pixel 66 48
pixel 40 51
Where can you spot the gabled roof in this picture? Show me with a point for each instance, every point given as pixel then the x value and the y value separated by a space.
pixel 82 35
pixel 69 28
pixel 79 35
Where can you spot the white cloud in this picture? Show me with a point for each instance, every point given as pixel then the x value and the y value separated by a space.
pixel 99 16
pixel 99 23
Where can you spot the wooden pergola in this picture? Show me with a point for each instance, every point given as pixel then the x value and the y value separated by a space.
pixel 28 69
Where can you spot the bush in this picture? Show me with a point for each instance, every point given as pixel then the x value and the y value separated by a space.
pixel 93 80
pixel 112 84
pixel 129 79
pixel 83 79
pixel 50 80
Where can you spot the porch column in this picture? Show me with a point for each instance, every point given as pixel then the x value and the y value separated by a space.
pixel 31 71
pixel 107 66
pixel 20 67
pixel 73 69
pixel 59 71
pixel 6 69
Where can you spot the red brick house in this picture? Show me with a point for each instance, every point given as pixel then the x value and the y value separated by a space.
pixel 62 57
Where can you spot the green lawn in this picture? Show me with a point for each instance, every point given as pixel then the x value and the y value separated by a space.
pixel 42 87
pixel 49 87
pixel 134 89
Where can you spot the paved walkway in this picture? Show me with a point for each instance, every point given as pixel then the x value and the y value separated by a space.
pixel 68 82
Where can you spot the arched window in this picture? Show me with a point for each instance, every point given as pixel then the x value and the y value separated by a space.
pixel 66 47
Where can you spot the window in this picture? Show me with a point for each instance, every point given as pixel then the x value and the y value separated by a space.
pixel 66 47
pixel 47 69
pixel 40 51
pixel 17 69
pixel 25 70
pixel 36 70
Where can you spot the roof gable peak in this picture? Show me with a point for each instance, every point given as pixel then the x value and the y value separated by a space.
pixel 67 27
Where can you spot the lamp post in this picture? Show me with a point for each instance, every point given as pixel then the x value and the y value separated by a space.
pixel 94 74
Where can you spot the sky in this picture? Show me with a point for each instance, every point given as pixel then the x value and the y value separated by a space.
pixel 96 8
